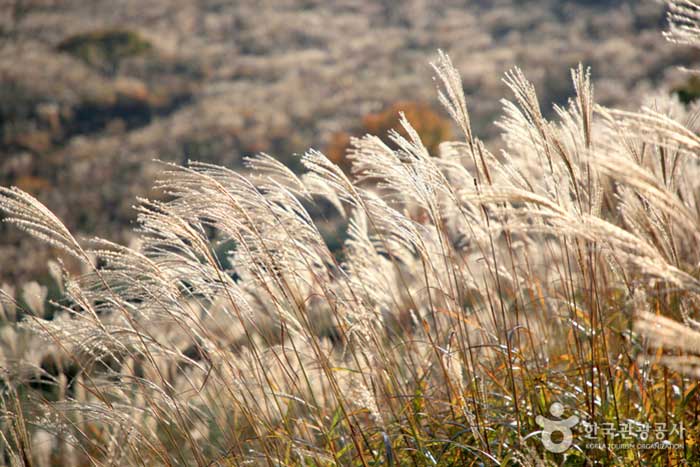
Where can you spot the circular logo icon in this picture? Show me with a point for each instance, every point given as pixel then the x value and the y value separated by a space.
pixel 550 427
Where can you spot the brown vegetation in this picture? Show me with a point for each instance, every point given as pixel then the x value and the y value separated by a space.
pixel 431 127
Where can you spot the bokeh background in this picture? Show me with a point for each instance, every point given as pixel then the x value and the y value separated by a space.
pixel 91 92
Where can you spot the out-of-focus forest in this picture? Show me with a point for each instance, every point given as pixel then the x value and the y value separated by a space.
pixel 92 91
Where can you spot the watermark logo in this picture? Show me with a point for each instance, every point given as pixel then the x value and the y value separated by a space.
pixel 557 434
pixel 551 427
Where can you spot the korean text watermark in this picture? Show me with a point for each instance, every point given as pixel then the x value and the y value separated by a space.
pixel 558 433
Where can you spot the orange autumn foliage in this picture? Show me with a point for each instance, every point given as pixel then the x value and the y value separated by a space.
pixel 432 128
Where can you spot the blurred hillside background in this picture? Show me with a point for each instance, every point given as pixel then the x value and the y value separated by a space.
pixel 92 91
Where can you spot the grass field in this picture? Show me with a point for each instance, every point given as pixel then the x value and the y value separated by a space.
pixel 536 306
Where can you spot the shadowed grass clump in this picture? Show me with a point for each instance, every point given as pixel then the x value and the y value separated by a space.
pixel 105 49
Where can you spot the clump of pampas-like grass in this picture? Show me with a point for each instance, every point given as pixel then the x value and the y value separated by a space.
pixel 473 290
